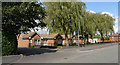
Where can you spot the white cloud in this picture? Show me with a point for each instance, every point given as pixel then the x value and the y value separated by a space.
pixel 107 13
pixel 116 20
pixel 37 21
pixel 116 28
pixel 91 11
pixel 45 29
pixel 41 30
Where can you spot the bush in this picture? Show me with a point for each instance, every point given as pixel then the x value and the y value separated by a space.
pixel 106 38
pixel 32 46
pixel 9 44
pixel 97 36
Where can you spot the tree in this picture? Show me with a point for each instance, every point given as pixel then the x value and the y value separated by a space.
pixel 104 24
pixel 90 24
pixel 62 16
pixel 70 17
pixel 57 16
pixel 17 17
pixel 97 22
pixel 78 17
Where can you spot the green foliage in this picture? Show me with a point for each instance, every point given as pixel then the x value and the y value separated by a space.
pixel 19 17
pixel 62 17
pixel 106 38
pixel 96 22
pixel 90 24
pixel 70 17
pixel 97 36
pixel 9 43
pixel 32 46
pixel 104 24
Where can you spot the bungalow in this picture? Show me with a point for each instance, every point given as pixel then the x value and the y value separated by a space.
pixel 73 40
pixel 36 39
pixel 33 38
pixel 64 41
pixel 94 40
pixel 114 38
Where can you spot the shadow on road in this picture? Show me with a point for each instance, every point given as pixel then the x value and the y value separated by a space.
pixel 34 51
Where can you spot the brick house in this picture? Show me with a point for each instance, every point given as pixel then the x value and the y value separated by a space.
pixel 114 38
pixel 95 40
pixel 72 40
pixel 33 38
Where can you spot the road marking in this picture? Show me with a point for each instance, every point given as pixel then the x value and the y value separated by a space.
pixel 87 51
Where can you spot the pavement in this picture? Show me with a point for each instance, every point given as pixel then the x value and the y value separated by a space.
pixel 11 58
pixel 102 53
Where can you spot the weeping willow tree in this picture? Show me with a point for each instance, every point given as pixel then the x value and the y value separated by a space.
pixel 109 23
pixel 104 24
pixel 78 18
pixel 65 16
pixel 97 22
pixel 90 24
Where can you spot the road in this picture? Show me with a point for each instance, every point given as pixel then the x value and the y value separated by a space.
pixel 91 54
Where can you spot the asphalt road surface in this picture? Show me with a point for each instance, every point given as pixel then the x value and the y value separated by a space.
pixel 107 53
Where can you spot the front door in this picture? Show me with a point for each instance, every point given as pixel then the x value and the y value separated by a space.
pixel 59 41
pixel 37 42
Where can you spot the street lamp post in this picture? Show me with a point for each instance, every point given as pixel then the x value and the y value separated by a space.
pixel 78 37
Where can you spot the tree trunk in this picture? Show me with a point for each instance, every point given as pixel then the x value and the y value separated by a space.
pixel 106 34
pixel 78 38
pixel 87 39
pixel 66 38
pixel 70 39
pixel 102 37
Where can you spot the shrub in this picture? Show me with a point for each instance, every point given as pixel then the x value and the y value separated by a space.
pixel 32 46
pixel 106 38
pixel 9 44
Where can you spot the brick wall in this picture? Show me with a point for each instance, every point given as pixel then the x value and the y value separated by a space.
pixel 36 37
pixel 69 41
pixel 25 42
pixel 115 39
pixel 50 42
pixel 22 43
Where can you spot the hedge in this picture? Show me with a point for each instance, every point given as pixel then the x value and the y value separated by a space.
pixel 9 44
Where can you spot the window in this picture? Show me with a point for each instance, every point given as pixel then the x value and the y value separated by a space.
pixel 119 38
pixel 112 38
pixel 45 43
pixel 74 41
pixel 37 42
pixel 30 41
pixel 59 41
pixel 63 42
